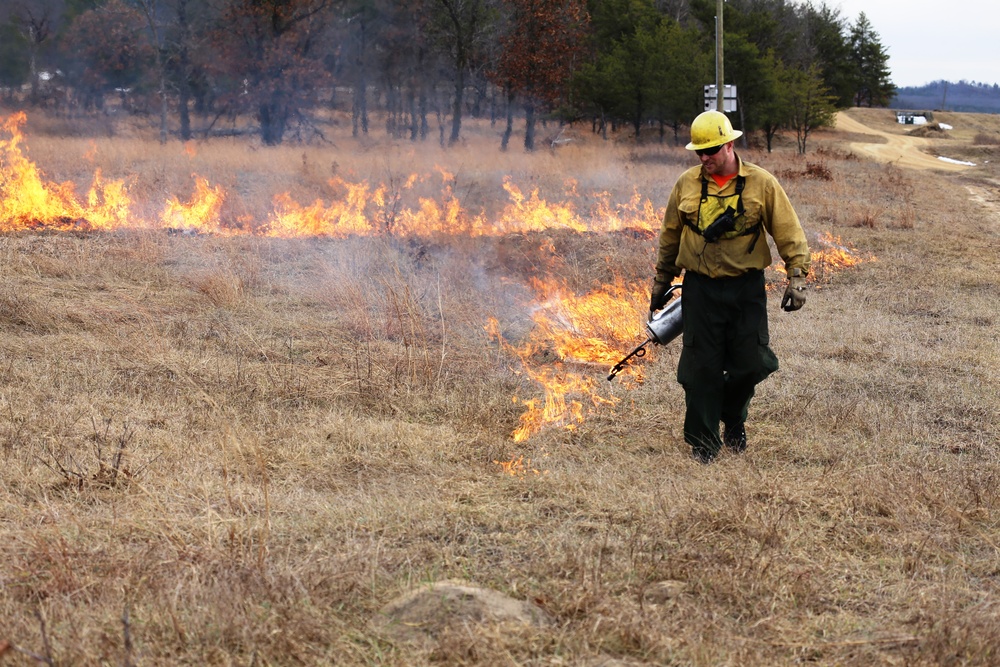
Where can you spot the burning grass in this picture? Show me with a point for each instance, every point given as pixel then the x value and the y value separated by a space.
pixel 235 447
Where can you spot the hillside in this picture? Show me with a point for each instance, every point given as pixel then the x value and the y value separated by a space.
pixel 947 96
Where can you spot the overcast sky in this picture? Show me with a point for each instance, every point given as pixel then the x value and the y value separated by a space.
pixel 929 40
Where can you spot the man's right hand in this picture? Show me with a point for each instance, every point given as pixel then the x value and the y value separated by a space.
pixel 658 297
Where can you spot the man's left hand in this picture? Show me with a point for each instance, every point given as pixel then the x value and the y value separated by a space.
pixel 795 293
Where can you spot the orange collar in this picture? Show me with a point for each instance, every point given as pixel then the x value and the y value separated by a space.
pixel 722 180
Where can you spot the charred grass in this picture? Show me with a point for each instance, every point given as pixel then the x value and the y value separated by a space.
pixel 236 450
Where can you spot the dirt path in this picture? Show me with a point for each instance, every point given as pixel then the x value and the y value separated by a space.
pixel 985 197
pixel 901 150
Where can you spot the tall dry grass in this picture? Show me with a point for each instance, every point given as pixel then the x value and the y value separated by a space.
pixel 236 450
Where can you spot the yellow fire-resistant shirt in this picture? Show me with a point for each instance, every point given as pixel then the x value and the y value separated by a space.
pixel 764 202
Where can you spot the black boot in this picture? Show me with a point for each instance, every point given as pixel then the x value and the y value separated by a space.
pixel 701 456
pixel 735 438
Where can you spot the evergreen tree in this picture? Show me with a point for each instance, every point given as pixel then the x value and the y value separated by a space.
pixel 811 105
pixel 14 65
pixel 612 21
pixel 829 45
pixel 872 85
pixel 629 69
pixel 646 67
pixel 679 70
pixel 775 112
pixel 618 80
pixel 752 74
pixel 771 25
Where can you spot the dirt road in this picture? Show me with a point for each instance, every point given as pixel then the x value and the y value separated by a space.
pixel 901 150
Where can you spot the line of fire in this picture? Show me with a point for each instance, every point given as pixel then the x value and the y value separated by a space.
pixel 574 340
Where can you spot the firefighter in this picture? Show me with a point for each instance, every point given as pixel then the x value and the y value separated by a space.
pixel 714 232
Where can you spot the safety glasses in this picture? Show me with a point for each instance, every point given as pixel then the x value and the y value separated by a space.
pixel 709 151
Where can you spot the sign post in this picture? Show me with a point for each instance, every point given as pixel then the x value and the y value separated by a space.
pixel 719 70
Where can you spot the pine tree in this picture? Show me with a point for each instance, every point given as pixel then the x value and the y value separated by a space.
pixel 829 40
pixel 14 65
pixel 872 85
pixel 810 103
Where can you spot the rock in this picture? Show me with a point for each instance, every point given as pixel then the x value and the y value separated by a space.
pixel 423 614
pixel 663 591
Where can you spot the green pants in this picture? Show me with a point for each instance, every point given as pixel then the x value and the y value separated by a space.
pixel 726 353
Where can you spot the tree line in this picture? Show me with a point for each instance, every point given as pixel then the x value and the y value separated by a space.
pixel 637 64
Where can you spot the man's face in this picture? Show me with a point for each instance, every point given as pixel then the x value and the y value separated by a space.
pixel 718 163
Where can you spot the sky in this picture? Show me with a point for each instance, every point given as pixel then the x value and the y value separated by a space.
pixel 930 40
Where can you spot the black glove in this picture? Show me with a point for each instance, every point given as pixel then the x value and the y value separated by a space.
pixel 795 293
pixel 659 297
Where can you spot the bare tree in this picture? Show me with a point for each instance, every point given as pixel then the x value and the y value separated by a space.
pixel 106 50
pixel 461 24
pixel 37 21
pixel 539 49
pixel 273 52
pixel 183 67
pixel 151 10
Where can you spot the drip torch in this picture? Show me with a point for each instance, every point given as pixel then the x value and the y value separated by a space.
pixel 663 326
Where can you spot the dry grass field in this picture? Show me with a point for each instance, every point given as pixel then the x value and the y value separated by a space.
pixel 234 429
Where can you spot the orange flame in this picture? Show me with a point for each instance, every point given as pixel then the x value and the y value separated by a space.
pixel 519 466
pixel 535 214
pixel 838 254
pixel 573 335
pixel 201 214
pixel 108 204
pixel 27 200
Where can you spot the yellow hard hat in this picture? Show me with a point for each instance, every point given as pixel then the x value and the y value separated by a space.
pixel 711 128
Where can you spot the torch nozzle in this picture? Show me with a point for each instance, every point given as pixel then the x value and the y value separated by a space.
pixel 639 351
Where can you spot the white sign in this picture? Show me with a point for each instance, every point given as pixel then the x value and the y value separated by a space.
pixel 728 98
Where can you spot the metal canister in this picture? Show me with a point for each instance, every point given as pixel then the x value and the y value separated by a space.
pixel 662 327
pixel 667 324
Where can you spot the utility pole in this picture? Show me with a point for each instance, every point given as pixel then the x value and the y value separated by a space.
pixel 719 75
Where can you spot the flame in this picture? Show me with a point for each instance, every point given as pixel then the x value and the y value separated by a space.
pixel 535 214
pixel 341 218
pixel 582 328
pixel 201 214
pixel 519 466
pixel 91 155
pixel 108 204
pixel 834 255
pixel 632 215
pixel 27 201
pixel 572 335
pixel 837 253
